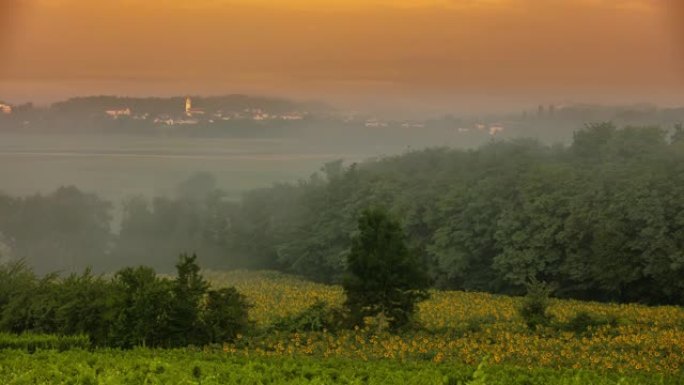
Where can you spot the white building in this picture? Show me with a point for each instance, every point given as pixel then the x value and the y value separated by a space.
pixel 5 109
pixel 374 123
pixel 412 125
pixel 116 113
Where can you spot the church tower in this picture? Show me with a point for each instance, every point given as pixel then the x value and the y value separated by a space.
pixel 188 106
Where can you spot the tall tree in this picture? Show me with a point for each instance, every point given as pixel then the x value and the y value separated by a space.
pixel 383 276
pixel 189 288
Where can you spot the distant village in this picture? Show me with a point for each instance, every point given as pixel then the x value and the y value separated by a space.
pixel 242 114
pixel 193 116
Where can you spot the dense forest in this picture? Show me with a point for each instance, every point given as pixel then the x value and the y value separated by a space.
pixel 602 218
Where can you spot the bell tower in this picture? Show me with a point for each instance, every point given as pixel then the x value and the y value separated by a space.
pixel 188 106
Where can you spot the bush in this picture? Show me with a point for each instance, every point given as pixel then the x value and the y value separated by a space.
pixel 315 318
pixel 225 315
pixel 584 322
pixel 135 308
pixel 139 309
pixel 15 278
pixel 534 307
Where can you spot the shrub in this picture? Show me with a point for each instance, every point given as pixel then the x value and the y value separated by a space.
pixel 225 315
pixel 136 307
pixel 534 307
pixel 139 309
pixel 15 277
pixel 584 322
pixel 315 318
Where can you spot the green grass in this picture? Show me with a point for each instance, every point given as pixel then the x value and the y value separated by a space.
pixel 146 366
pixel 32 342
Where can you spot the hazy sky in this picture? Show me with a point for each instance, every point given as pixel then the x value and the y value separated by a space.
pixel 416 53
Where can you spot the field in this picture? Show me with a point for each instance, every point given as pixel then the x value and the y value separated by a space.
pixel 118 166
pixel 467 327
pixel 467 338
pixel 144 366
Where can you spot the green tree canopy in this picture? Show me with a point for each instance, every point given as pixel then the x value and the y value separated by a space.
pixel 383 276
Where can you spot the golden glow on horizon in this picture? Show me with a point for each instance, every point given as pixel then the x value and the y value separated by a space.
pixel 396 47
pixel 322 4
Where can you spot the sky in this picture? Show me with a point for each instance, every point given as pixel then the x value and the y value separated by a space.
pixel 422 55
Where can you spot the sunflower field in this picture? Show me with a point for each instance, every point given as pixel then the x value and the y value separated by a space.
pixel 463 338
pixel 465 328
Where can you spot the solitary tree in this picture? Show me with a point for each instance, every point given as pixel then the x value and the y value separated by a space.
pixel 189 288
pixel 383 276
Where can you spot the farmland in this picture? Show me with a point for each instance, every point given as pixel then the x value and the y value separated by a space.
pixel 463 327
pixel 145 366
pixel 464 338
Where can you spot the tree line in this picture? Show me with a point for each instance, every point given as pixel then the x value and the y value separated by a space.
pixel 600 219
pixel 135 307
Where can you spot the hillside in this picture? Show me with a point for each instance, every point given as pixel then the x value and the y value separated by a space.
pixel 463 338
pixel 465 327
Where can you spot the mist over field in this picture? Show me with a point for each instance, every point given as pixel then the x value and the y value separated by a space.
pixel 111 182
pixel 118 147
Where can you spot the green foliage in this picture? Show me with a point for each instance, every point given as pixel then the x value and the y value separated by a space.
pixel 383 276
pixel 225 315
pixel 584 323
pixel 135 308
pixel 188 290
pixel 190 367
pixel 316 318
pixel 83 305
pixel 33 342
pixel 601 218
pixel 32 309
pixel 535 304
pixel 140 309
pixel 15 278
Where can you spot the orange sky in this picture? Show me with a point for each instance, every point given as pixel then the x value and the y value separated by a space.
pixel 403 52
